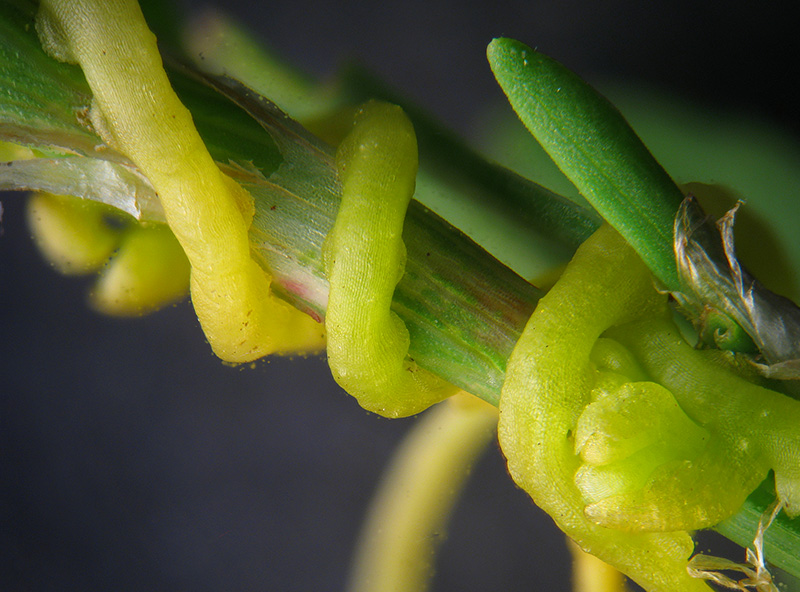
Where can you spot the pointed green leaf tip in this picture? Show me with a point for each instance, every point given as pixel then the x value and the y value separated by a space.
pixel 594 146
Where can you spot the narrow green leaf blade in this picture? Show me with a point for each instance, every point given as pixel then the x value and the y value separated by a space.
pixel 594 146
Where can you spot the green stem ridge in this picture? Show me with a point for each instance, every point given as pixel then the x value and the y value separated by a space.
pixel 779 545
pixel 296 193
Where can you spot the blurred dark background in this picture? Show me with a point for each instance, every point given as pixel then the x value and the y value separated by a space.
pixel 132 459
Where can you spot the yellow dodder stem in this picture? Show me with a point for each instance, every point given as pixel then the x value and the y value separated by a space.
pixel 590 574
pixel 365 258
pixel 408 515
pixel 136 111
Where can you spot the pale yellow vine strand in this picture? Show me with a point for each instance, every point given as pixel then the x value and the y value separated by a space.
pixel 408 515
pixel 136 111
pixel 590 574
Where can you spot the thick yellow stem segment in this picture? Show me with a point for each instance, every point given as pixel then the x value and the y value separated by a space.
pixel 365 258
pixel 136 111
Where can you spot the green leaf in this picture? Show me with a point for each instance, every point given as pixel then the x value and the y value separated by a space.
pixel 43 102
pixel 596 149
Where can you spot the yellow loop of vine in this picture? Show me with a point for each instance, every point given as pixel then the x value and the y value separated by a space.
pixel 365 258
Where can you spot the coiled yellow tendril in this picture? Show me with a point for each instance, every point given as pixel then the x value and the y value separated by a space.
pixel 136 111
pixel 365 258
pixel 630 438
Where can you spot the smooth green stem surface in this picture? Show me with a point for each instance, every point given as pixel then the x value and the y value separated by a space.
pixel 453 163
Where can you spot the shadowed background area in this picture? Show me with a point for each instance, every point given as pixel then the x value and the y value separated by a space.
pixel 132 459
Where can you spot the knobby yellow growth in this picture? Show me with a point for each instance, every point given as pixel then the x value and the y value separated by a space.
pixel 546 389
pixel 364 260
pixel 136 111
pixel 755 428
pixel 631 440
pixel 141 267
pixel 72 234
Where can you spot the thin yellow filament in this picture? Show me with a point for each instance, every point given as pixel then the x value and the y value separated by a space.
pixel 590 574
